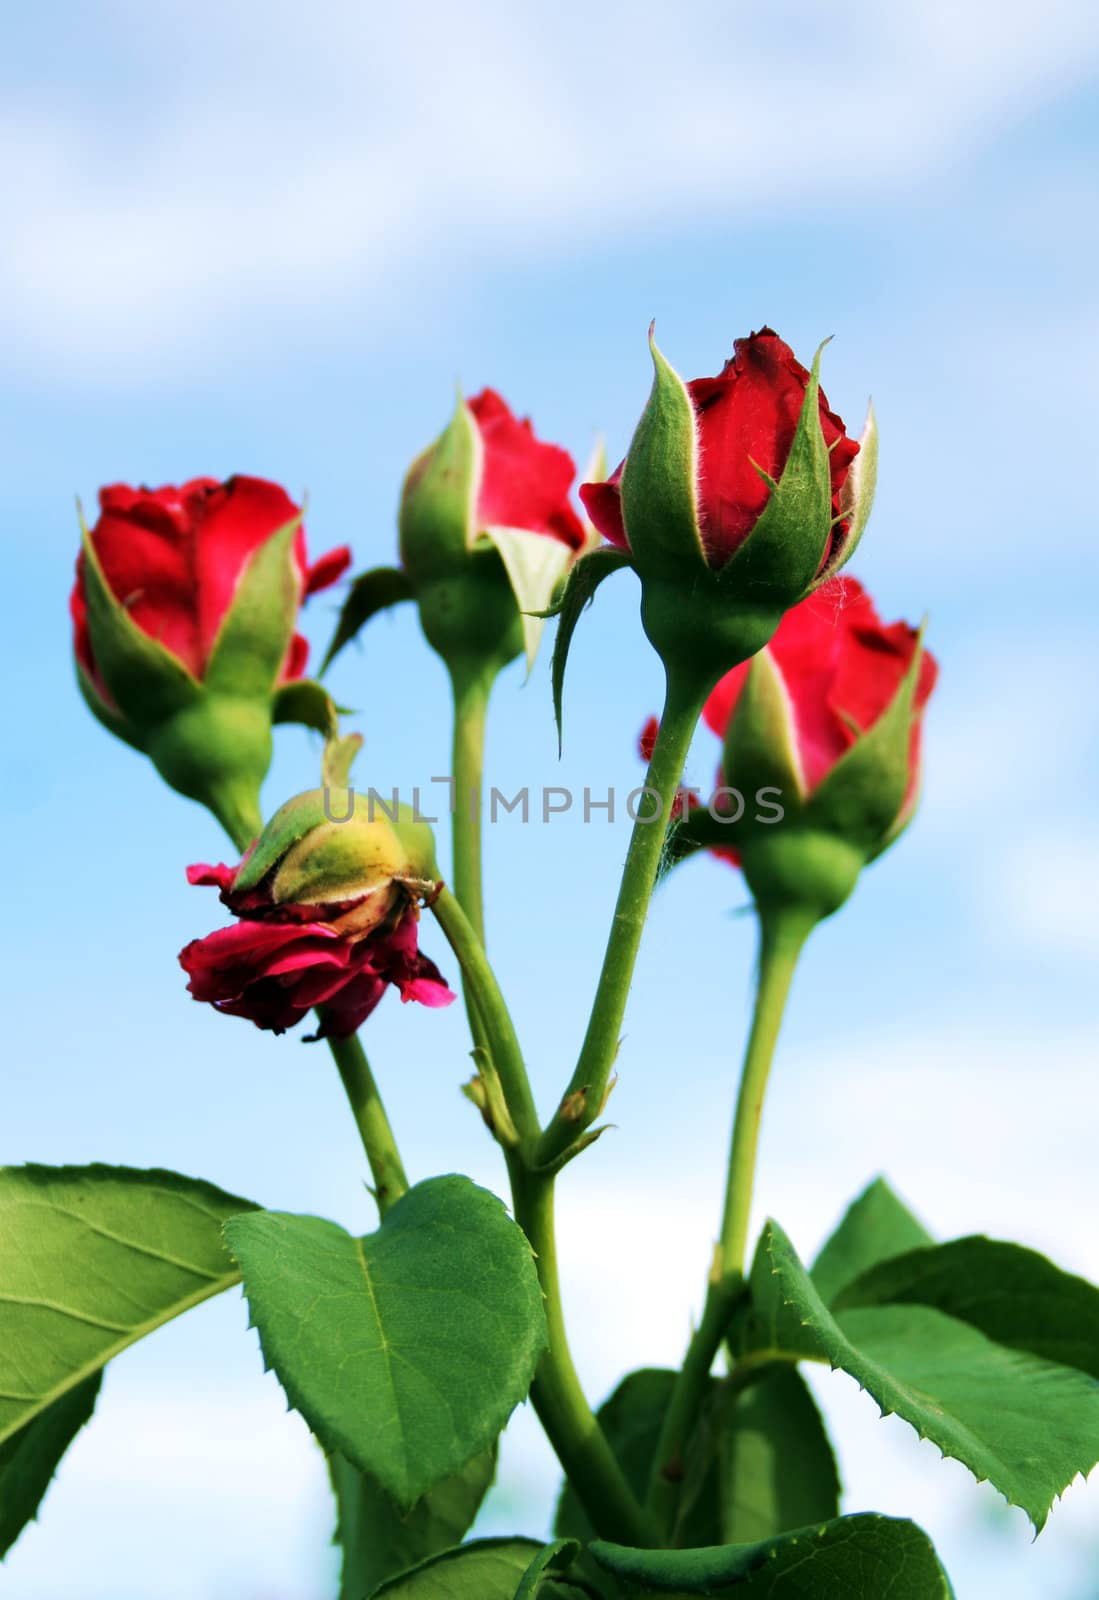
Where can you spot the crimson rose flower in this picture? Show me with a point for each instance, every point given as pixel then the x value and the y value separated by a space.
pixel 173 557
pixel 839 667
pixel 745 421
pixel 280 960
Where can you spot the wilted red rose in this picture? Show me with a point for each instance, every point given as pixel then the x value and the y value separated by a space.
pixel 173 558
pixel 279 961
pixel 746 418
pixel 841 667
pixel 524 483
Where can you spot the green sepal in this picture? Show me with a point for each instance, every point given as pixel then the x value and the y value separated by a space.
pixel 110 719
pixel 761 740
pixel 782 555
pixel 370 593
pixel 333 843
pixel 860 1557
pixel 307 703
pixel 856 499
pixel 439 499
pixel 535 565
pixel 862 796
pixel 254 635
pixel 146 682
pixel 659 486
pixel 583 580
pixel 338 759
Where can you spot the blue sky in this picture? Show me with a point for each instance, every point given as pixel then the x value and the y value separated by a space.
pixel 266 242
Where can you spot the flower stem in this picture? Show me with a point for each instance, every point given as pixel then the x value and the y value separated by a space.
pixel 472 686
pixel 783 931
pixel 587 1090
pixel 386 1167
pixel 488 1005
pixel 571 1425
pixel 362 1091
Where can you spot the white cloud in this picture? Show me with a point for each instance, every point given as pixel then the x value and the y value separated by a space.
pixel 286 157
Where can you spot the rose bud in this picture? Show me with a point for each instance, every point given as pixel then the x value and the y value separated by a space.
pixel 487 532
pixel 739 495
pixel 328 917
pixel 821 761
pixel 184 613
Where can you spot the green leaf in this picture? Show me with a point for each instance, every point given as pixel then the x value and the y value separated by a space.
pixel 1024 1424
pixel 551 1562
pixel 775 1465
pixel 660 479
pixel 370 593
pixel 255 633
pixel 864 1557
pixel 583 580
pixel 91 1259
pixel 1013 1295
pixel 29 1458
pixel 308 703
pixel 535 565
pixel 407 1350
pixel 782 554
pixel 875 1227
pixel 147 683
pixel 378 1539
pixel 485 1569
pixel 631 1419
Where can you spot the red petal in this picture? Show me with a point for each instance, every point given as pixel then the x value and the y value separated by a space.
pixel 231 521
pixel 746 419
pixel 603 503
pixel 327 569
pixel 524 483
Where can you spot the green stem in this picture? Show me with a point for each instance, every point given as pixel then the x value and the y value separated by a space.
pixel 490 1009
pixel 783 931
pixel 782 934
pixel 386 1167
pixel 587 1090
pixel 362 1091
pixel 472 686
pixel 570 1424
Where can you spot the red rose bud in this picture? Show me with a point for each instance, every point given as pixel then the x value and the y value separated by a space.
pixel 184 613
pixel 488 532
pixel 328 917
pixel 828 719
pixel 737 497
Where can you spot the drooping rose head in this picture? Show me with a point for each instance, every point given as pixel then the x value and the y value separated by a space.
pixel 745 421
pixel 184 616
pixel 328 916
pixel 488 530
